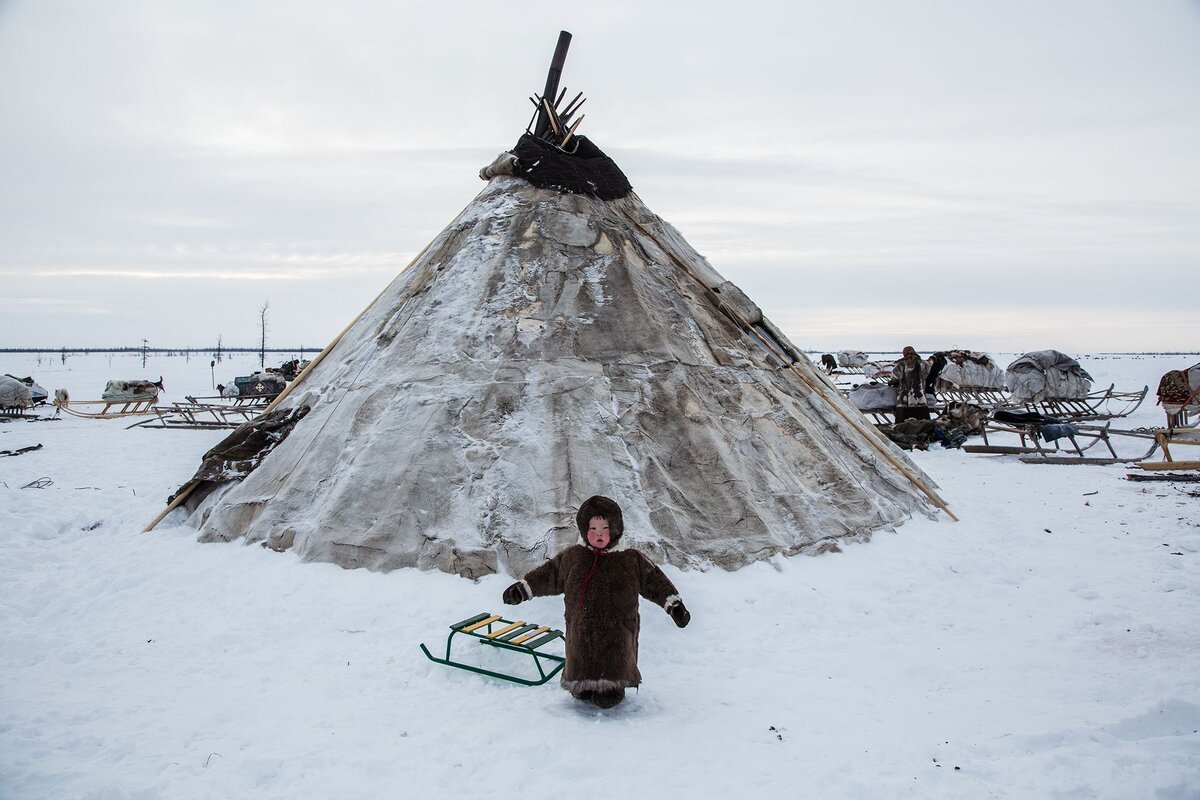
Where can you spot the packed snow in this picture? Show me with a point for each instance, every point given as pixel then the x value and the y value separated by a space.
pixel 1043 647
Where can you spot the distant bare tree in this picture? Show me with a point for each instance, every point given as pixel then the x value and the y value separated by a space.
pixel 262 321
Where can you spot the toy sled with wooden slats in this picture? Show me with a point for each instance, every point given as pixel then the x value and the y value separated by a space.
pixel 517 636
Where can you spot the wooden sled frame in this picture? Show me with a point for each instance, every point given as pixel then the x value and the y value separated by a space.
pixel 1094 407
pixel 124 408
pixel 516 635
pixel 1164 438
pixel 1029 435
pixel 1099 405
pixel 984 398
pixel 201 416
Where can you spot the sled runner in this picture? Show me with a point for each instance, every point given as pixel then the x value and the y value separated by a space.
pixel 518 636
pixel 109 409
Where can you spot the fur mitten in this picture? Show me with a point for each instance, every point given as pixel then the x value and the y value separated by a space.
pixel 678 612
pixel 517 593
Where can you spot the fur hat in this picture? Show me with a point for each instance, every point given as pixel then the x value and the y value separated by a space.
pixel 601 507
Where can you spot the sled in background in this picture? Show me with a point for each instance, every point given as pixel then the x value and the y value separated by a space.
pixel 518 636
pixel 1098 405
pixel 1040 435
pixel 1164 438
pixel 207 413
pixel 1035 429
pixel 108 409
pixel 119 399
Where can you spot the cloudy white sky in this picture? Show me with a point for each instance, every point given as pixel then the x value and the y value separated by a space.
pixel 1004 176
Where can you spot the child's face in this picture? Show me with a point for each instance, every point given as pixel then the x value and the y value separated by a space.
pixel 598 535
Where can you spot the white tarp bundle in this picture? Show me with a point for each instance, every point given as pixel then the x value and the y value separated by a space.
pixel 120 391
pixel 14 393
pixel 873 397
pixel 1046 375
pixel 547 347
pixel 970 370
pixel 852 359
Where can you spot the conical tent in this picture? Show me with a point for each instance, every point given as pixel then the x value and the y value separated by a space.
pixel 556 341
pixel 549 346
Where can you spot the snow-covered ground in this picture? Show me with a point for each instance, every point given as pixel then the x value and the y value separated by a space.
pixel 1045 646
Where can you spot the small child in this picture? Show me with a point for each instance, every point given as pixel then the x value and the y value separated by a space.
pixel 601 584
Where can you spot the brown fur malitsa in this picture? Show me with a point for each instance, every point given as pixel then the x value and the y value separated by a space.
pixel 601 589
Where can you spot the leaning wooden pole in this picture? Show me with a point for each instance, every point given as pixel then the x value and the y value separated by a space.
pixel 818 389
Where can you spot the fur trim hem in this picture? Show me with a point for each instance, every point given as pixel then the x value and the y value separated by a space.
pixel 595 685
pixel 525 589
pixel 670 601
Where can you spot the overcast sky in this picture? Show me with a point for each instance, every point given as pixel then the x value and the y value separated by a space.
pixel 1002 176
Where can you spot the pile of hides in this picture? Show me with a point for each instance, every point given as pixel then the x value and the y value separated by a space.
pixel 1179 389
pixel 967 416
pixel 1046 375
pixel 124 391
pixel 918 434
pixel 873 397
pixel 852 359
pixel 239 453
pixel 14 393
pixel 585 169
pixel 965 369
pixel 878 370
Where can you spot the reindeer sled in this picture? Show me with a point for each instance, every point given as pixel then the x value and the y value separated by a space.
pixel 119 399
pixel 207 413
pixel 1053 384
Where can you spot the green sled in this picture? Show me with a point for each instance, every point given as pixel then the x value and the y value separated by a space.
pixel 517 636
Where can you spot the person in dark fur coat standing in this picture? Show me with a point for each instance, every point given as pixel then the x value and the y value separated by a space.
pixel 909 376
pixel 601 584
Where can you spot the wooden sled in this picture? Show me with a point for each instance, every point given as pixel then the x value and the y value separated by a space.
pixel 1099 405
pixel 1164 438
pixel 984 398
pixel 1033 450
pixel 201 416
pixel 238 401
pixel 516 636
pixel 109 409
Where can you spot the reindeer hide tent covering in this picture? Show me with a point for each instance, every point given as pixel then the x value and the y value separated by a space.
pixel 544 348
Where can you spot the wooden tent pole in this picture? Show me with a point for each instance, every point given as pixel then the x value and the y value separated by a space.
pixel 174 504
pixel 747 327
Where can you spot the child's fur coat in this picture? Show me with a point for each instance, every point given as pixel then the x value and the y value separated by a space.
pixel 602 589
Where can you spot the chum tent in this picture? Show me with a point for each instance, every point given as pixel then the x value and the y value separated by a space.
pixel 556 341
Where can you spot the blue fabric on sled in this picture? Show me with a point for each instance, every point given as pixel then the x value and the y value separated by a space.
pixel 1056 431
